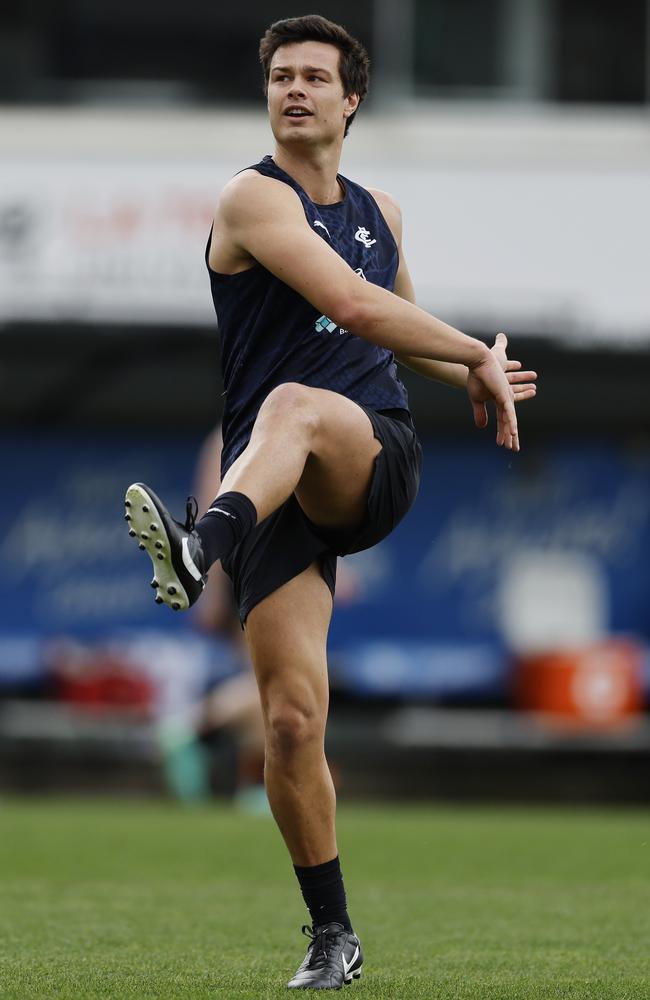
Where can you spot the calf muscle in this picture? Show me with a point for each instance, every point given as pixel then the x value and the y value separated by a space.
pixel 287 635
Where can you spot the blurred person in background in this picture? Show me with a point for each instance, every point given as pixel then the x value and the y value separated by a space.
pixel 320 455
pixel 232 705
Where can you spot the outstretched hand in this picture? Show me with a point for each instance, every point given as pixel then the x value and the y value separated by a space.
pixel 499 379
pixel 522 383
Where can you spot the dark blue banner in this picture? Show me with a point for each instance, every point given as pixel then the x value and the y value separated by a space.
pixel 422 611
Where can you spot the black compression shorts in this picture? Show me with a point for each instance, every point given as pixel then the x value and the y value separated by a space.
pixel 287 542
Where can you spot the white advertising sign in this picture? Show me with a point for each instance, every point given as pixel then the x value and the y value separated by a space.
pixel 106 242
pixel 560 252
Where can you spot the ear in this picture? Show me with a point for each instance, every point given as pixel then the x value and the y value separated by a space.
pixel 350 105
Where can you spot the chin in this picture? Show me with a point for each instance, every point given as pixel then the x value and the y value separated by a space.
pixel 296 136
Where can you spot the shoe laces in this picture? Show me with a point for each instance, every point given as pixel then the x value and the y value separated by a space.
pixel 191 511
pixel 318 936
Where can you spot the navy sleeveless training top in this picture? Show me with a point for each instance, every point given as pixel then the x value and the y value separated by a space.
pixel 270 334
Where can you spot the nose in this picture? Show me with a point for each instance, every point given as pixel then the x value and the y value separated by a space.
pixel 296 90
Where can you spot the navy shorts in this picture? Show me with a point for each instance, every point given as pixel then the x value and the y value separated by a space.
pixel 287 542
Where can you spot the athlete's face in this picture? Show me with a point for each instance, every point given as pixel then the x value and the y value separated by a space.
pixel 305 93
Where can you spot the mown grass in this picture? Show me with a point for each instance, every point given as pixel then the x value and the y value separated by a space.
pixel 124 900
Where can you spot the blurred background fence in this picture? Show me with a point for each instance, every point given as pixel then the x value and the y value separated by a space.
pixel 497 643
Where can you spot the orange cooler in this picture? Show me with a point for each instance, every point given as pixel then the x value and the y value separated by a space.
pixel 596 686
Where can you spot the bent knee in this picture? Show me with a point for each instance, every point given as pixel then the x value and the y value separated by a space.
pixel 291 727
pixel 292 402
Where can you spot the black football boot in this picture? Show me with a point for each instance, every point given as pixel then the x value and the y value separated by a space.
pixel 333 958
pixel 179 572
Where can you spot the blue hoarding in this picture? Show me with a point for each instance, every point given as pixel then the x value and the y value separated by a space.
pixel 429 591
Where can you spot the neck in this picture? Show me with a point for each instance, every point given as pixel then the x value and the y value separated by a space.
pixel 315 171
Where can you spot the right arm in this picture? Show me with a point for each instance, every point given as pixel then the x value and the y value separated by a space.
pixel 440 371
pixel 263 218
pixel 521 382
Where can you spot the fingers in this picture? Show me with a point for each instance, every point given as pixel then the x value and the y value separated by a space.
pixel 480 414
pixel 507 431
pixel 501 430
pixel 512 431
pixel 524 392
pixel 502 381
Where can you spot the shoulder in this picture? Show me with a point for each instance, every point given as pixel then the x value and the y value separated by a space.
pixel 250 193
pixel 385 201
pixel 390 210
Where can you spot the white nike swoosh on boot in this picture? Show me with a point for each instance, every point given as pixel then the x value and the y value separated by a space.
pixel 346 967
pixel 188 562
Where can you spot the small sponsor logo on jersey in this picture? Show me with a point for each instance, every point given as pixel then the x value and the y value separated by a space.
pixel 326 325
pixel 363 235
pixel 321 225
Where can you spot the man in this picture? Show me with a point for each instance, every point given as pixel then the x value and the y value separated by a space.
pixel 320 457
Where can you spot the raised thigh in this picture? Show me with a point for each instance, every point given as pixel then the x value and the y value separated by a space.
pixel 287 636
pixel 333 489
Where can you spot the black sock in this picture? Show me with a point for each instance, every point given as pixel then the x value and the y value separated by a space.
pixel 229 519
pixel 324 893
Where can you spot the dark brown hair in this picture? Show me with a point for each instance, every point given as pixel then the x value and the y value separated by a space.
pixel 353 58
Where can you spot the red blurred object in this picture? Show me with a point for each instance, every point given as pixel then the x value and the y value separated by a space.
pixel 598 686
pixel 105 682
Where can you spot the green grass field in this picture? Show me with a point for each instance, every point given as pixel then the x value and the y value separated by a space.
pixel 118 899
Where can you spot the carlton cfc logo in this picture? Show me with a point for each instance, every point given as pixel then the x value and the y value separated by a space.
pixel 363 235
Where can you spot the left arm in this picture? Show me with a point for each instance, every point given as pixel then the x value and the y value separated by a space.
pixel 448 372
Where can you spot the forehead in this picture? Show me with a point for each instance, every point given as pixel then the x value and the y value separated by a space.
pixel 297 54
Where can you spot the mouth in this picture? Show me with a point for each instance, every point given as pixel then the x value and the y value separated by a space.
pixel 297 111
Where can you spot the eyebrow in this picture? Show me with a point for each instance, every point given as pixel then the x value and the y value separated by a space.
pixel 305 69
